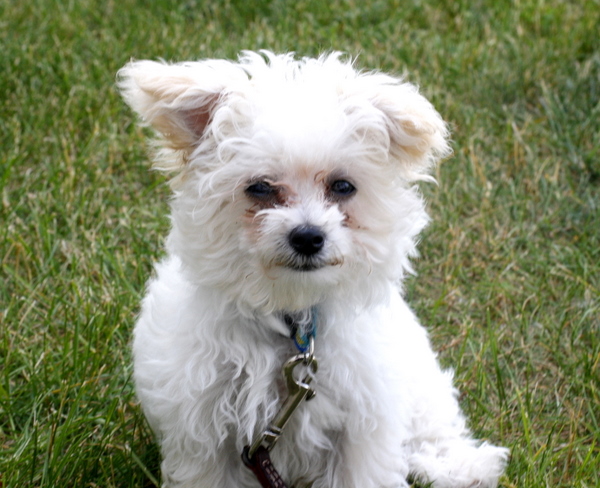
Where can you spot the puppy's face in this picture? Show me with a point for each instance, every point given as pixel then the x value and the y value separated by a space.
pixel 295 177
pixel 299 219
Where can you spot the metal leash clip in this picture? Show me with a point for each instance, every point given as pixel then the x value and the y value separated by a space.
pixel 297 389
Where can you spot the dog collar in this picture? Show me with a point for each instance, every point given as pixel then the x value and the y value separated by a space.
pixel 302 327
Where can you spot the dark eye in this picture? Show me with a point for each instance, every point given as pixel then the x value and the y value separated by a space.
pixel 261 190
pixel 342 188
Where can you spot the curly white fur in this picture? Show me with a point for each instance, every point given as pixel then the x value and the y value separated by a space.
pixel 209 343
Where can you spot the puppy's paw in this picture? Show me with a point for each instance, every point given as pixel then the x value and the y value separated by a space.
pixel 460 465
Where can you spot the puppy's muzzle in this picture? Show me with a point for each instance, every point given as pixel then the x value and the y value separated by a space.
pixel 306 240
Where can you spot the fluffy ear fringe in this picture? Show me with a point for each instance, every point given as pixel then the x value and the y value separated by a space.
pixel 177 100
pixel 418 135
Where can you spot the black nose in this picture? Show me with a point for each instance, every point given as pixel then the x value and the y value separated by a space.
pixel 306 239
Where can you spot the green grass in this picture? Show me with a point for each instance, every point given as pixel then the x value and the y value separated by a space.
pixel 509 280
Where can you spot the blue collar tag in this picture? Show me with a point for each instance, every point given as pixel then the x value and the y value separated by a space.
pixel 303 330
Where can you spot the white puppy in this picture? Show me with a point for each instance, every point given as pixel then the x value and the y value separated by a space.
pixel 294 204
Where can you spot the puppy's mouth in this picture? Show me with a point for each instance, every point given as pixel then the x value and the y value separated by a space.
pixel 297 263
pixel 302 264
pixel 306 267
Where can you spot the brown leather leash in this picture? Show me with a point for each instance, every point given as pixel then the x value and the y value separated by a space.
pixel 262 467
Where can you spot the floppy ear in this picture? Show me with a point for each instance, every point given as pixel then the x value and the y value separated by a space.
pixel 417 135
pixel 176 99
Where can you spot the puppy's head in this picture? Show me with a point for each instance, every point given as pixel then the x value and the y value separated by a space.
pixel 295 178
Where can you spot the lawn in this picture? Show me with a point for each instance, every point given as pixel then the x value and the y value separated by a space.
pixel 509 275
